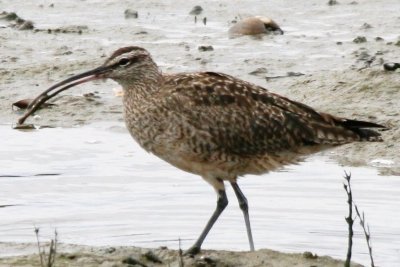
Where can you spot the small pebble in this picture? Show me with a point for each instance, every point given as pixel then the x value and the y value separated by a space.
pixel 110 250
pixel 131 260
pixel 309 255
pixel 332 2
pixel 360 39
pixel 205 261
pixel 366 26
pixel 259 71
pixel 9 16
pixel 26 25
pixel 391 66
pixel 203 48
pixel 196 10
pixel 150 256
pixel 131 14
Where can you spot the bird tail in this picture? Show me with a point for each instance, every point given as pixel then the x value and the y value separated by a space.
pixel 361 128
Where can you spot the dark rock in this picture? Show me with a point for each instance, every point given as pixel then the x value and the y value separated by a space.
pixel 294 74
pixel 150 256
pixel 8 15
pixel 110 250
pixel 131 14
pixel 366 26
pixel 203 48
pixel 196 10
pixel 332 2
pixel 363 56
pixel 26 25
pixel 360 39
pixel 309 255
pixel 131 260
pixel 259 71
pixel 390 66
pixel 205 261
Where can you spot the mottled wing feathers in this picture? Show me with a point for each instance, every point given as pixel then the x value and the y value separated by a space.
pixel 234 116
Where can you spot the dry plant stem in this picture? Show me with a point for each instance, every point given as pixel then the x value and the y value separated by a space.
pixel 180 255
pixel 47 262
pixel 38 245
pixel 367 234
pixel 52 251
pixel 349 219
pixel 51 254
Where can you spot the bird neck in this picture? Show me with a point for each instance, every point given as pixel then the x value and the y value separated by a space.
pixel 142 87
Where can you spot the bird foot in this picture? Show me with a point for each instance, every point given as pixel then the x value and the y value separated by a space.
pixel 192 251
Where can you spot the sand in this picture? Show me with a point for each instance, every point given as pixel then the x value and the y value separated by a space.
pixel 73 255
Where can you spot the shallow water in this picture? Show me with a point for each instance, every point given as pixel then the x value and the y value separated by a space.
pixel 97 187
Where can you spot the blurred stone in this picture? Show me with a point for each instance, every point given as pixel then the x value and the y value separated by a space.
pixel 203 48
pixel 360 39
pixel 131 14
pixel 196 10
pixel 390 66
pixel 332 2
pixel 366 26
pixel 26 25
pixel 254 25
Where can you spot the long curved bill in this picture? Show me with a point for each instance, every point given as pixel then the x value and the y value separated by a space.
pixel 54 90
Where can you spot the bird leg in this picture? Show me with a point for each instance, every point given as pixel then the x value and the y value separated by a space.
pixel 245 208
pixel 222 202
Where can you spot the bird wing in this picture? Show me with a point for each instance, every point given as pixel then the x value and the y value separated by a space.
pixel 221 113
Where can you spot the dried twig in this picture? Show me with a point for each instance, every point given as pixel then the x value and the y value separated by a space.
pixel 38 245
pixel 366 233
pixel 180 253
pixel 50 260
pixel 349 219
pixel 350 222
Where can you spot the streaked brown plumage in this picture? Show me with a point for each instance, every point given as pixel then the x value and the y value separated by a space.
pixel 215 125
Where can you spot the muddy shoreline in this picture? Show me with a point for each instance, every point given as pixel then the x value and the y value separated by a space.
pixel 73 255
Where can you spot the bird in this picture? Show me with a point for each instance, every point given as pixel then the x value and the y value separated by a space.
pixel 215 125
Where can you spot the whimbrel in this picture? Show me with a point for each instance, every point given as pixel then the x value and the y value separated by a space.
pixel 215 125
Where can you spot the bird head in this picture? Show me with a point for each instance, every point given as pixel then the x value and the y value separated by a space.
pixel 127 66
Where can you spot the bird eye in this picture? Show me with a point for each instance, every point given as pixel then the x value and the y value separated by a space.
pixel 123 61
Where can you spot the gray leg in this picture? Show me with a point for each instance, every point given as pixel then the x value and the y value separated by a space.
pixel 222 202
pixel 245 208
